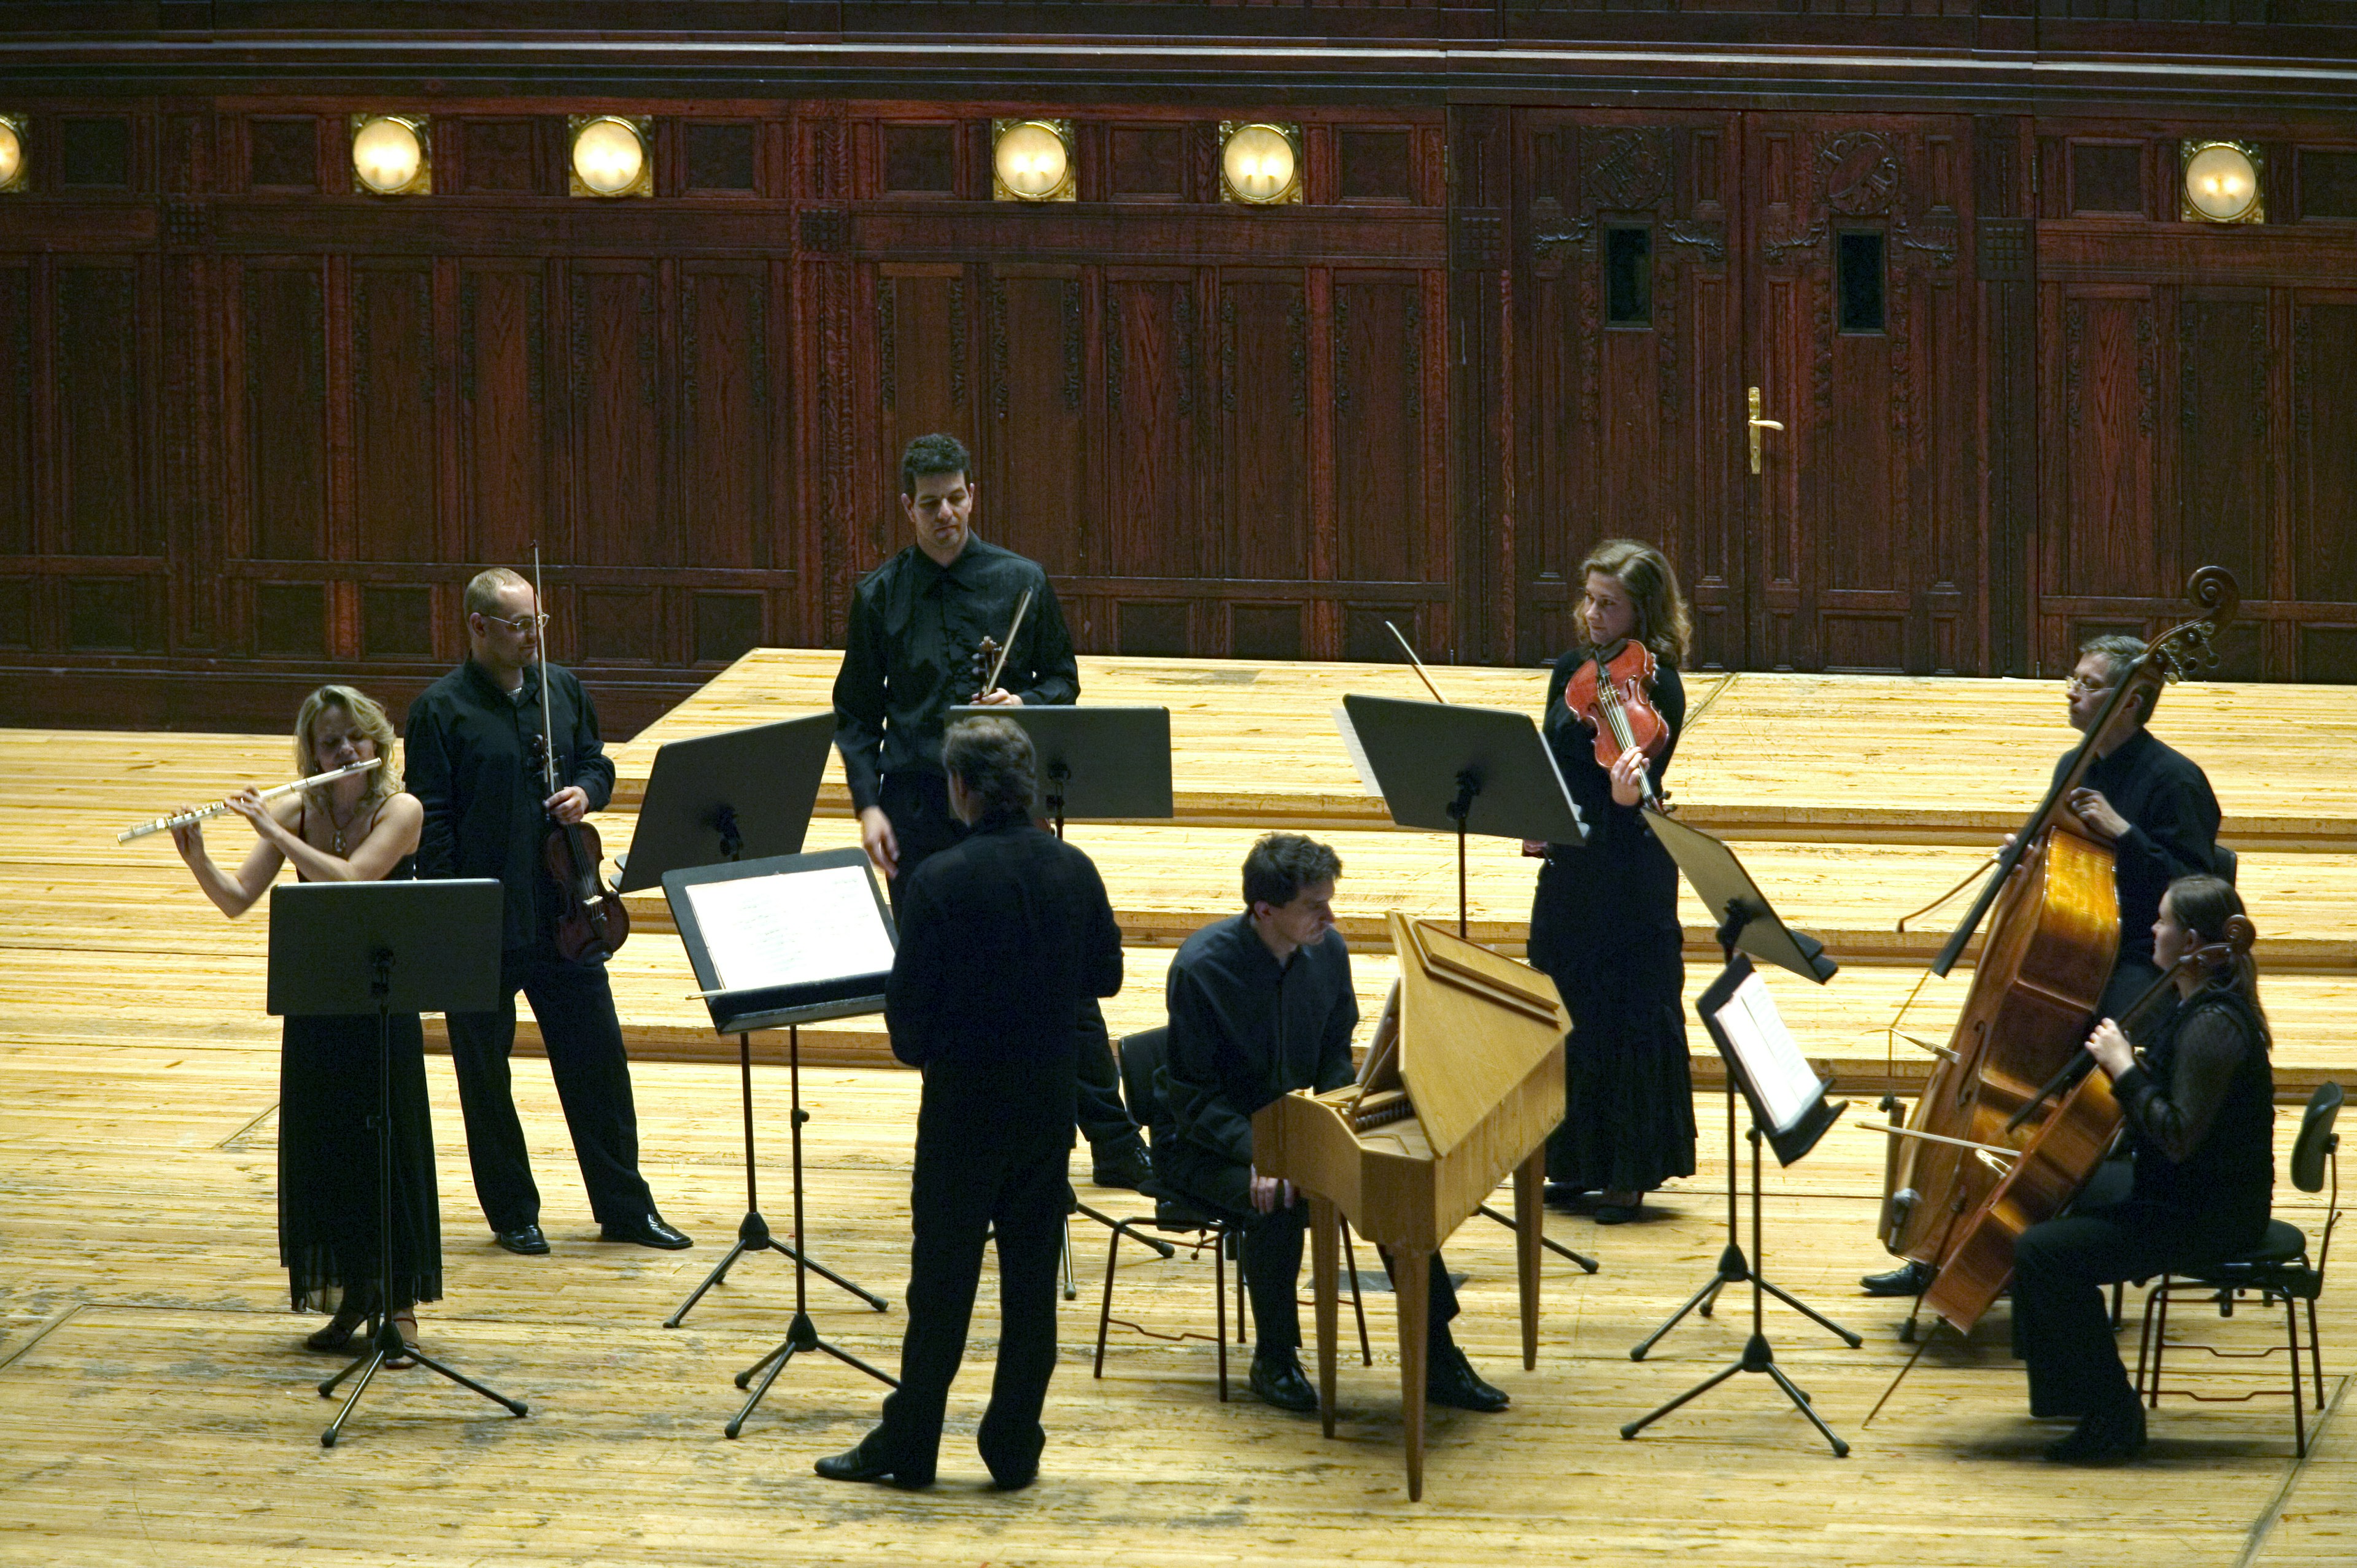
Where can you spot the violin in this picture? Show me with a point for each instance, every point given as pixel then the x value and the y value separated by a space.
pixel 986 656
pixel 1608 694
pixel 592 922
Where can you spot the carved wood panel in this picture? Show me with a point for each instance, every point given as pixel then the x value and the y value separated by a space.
pixel 1865 344
pixel 1153 382
pixel 621 413
pixel 1623 425
pixel 17 532
pixel 394 403
pixel 101 450
pixel 1035 391
pixel 503 458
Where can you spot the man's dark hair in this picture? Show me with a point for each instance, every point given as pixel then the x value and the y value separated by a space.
pixel 1281 865
pixel 930 454
pixel 993 758
pixel 2118 651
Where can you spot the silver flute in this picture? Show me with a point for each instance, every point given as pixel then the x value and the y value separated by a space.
pixel 165 824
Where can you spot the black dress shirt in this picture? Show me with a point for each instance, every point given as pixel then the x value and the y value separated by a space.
pixel 2172 827
pixel 909 657
pixel 2200 1112
pixel 1245 1030
pixel 1002 935
pixel 469 757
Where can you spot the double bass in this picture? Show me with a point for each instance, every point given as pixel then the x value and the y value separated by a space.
pixel 2052 943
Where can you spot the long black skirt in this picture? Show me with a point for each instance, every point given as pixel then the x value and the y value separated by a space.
pixel 327 1225
pixel 1628 1121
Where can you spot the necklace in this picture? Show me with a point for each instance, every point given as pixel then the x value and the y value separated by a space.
pixel 341 826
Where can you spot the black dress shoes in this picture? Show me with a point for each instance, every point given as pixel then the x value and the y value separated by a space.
pixel 1277 1379
pixel 863 1464
pixel 2104 1437
pixel 1123 1165
pixel 1450 1378
pixel 1910 1278
pixel 648 1231
pixel 525 1240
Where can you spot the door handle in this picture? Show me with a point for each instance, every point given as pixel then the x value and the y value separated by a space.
pixel 1754 424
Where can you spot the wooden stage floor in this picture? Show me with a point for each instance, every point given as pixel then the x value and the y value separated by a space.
pixel 157 1410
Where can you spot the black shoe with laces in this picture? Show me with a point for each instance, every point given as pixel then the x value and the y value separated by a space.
pixel 1277 1379
pixel 1910 1278
pixel 2104 1436
pixel 1449 1379
pixel 1125 1164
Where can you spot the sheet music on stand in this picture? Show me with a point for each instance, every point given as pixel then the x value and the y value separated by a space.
pixel 1786 1095
pixel 791 938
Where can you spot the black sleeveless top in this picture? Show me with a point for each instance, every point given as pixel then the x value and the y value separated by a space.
pixel 403 869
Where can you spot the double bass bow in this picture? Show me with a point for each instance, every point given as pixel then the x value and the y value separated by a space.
pixel 2053 912
pixel 592 922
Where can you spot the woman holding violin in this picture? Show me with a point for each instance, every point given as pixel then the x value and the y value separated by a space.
pixel 2200 1110
pixel 1605 923
pixel 359 828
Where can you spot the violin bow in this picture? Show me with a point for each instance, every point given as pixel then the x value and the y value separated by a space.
pixel 547 713
pixel 1022 607
pixel 1406 648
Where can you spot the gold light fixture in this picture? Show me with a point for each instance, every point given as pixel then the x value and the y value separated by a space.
pixel 2223 182
pixel 1260 163
pixel 609 155
pixel 392 155
pixel 1031 160
pixel 16 170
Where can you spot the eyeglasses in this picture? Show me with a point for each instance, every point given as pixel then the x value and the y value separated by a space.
pixel 2075 683
pixel 521 624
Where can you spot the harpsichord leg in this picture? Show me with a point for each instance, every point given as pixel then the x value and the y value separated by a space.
pixel 1529 1183
pixel 1411 1281
pixel 1325 1249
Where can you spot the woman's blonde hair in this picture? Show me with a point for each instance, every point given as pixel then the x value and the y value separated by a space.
pixel 384 783
pixel 1664 623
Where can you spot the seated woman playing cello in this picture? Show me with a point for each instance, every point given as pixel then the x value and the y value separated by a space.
pixel 2200 1111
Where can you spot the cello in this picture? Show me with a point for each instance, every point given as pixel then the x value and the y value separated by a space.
pixel 2051 942
pixel 2062 1156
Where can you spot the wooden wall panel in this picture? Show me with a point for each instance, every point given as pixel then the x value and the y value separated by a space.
pixel 2101 534
pixel 102 453
pixel 501 355
pixel 726 403
pixel 1035 383
pixel 18 535
pixel 395 454
pixel 2324 449
pixel 1264 397
pixel 1380 501
pixel 621 411
pixel 2225 466
pixel 1153 394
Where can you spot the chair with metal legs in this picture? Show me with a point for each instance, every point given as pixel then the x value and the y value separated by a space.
pixel 2278 1268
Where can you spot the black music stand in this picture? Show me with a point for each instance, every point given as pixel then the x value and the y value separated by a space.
pixel 1100 764
pixel 710 800
pixel 1790 1113
pixel 1459 769
pixel 1103 764
pixel 787 940
pixel 1748 924
pixel 341 949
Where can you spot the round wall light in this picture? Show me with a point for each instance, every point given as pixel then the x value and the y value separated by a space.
pixel 391 155
pixel 609 155
pixel 1260 163
pixel 13 170
pixel 2221 183
pixel 1031 160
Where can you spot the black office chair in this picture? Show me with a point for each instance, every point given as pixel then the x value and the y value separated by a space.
pixel 1141 1058
pixel 2277 1267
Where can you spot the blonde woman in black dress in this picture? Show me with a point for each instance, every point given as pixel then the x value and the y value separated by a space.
pixel 1604 926
pixel 360 829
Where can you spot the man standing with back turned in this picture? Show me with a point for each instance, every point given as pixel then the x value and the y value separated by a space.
pixel 916 623
pixel 1002 935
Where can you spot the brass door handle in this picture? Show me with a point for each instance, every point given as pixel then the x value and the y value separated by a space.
pixel 1754 424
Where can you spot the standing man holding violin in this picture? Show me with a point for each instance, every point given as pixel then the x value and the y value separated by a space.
pixel 475 765
pixel 915 649
pixel 2153 805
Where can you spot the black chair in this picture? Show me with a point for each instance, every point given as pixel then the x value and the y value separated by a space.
pixel 2278 1267
pixel 1141 1058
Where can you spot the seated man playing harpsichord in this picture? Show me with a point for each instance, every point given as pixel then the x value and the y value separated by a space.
pixel 1260 1004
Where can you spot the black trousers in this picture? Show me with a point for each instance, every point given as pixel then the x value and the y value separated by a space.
pixel 2061 1321
pixel 923 826
pixel 574 1006
pixel 1270 1246
pixel 960 1192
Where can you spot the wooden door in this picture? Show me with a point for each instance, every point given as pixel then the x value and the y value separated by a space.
pixel 1866 549
pixel 1627 348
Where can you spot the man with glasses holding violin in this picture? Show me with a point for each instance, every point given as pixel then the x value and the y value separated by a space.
pixel 2153 805
pixel 473 763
